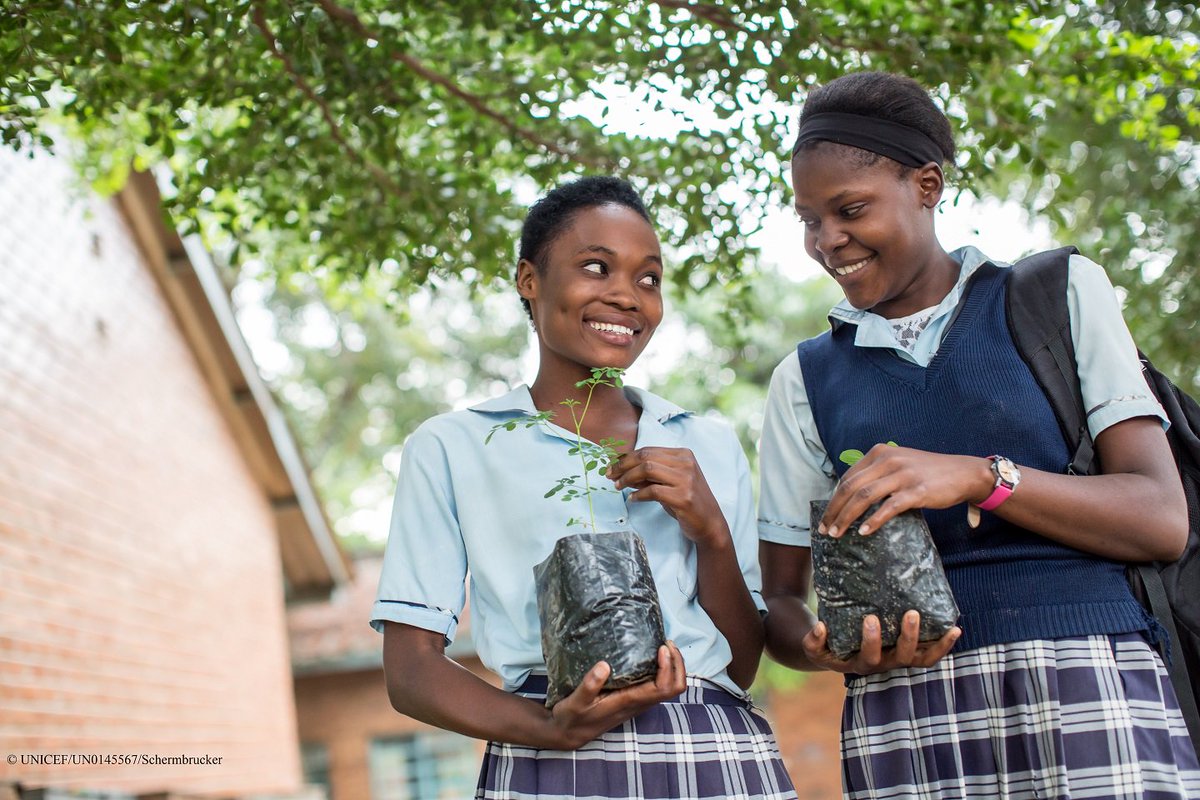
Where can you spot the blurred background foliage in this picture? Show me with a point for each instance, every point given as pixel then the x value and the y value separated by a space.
pixel 362 168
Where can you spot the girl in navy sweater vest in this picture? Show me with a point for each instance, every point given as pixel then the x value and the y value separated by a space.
pixel 1050 687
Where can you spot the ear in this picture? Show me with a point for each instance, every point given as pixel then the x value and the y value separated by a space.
pixel 527 279
pixel 930 183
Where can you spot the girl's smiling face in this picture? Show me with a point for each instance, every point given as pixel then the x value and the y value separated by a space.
pixel 597 298
pixel 871 228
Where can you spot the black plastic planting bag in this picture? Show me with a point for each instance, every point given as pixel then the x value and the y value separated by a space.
pixel 597 602
pixel 886 573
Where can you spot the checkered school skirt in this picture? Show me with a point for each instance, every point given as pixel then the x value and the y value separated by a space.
pixel 1089 717
pixel 704 744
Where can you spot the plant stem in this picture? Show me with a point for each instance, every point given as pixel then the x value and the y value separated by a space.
pixel 587 486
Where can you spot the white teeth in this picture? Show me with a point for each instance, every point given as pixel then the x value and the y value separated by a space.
pixel 608 326
pixel 855 267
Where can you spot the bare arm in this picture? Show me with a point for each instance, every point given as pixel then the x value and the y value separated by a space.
pixel 787 576
pixel 1135 511
pixel 426 685
pixel 672 477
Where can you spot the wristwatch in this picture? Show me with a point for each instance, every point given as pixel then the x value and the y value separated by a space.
pixel 1007 478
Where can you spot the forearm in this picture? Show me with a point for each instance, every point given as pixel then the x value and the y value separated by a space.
pixel 1135 511
pixel 426 685
pixel 789 619
pixel 1124 517
pixel 725 598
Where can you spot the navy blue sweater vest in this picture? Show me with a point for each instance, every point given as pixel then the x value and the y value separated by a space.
pixel 976 397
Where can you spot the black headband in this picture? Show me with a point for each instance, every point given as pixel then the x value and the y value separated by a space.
pixel 898 142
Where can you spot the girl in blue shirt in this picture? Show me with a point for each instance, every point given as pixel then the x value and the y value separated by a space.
pixel 590 274
pixel 1050 687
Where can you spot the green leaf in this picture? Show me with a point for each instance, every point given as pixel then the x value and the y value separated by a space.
pixel 851 457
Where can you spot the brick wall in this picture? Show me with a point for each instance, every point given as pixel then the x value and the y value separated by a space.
pixel 141 599
pixel 344 712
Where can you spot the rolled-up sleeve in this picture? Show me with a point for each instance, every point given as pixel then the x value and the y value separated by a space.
pixel 794 468
pixel 425 564
pixel 1110 373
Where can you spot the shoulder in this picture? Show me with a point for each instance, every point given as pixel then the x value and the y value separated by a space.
pixel 1085 276
pixel 470 426
pixel 787 371
pixel 694 430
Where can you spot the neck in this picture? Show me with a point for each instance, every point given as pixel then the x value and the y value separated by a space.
pixel 608 412
pixel 931 285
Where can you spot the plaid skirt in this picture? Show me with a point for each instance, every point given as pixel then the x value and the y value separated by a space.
pixel 706 743
pixel 1088 717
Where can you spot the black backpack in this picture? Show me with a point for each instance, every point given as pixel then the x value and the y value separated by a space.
pixel 1038 318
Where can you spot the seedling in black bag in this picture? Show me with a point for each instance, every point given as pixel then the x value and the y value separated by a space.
pixel 894 569
pixel 595 592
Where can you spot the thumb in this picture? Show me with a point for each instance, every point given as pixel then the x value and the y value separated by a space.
pixel 593 682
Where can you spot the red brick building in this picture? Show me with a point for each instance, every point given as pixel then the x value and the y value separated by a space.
pixel 154 511
pixel 354 743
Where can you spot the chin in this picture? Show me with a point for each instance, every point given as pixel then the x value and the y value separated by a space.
pixel 862 302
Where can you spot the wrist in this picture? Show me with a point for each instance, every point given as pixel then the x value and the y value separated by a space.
pixel 982 480
pixel 711 539
pixel 1006 476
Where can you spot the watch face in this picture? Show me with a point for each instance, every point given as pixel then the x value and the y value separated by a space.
pixel 1007 470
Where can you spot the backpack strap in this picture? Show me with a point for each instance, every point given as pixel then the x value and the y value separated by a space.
pixel 1040 324
pixel 1156 594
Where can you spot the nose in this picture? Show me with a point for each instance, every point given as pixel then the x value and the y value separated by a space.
pixel 828 238
pixel 621 293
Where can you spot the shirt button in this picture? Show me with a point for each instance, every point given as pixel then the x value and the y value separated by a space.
pixel 620 520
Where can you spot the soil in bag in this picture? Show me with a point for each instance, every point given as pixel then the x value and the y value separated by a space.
pixel 885 573
pixel 597 602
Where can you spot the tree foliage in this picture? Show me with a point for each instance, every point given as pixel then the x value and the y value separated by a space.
pixel 355 384
pixel 404 139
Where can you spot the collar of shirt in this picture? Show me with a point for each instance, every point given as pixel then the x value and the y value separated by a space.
pixel 652 431
pixel 876 331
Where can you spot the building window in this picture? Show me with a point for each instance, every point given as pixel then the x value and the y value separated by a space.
pixel 314 760
pixel 425 766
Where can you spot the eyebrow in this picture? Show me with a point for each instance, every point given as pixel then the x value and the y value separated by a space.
pixel 833 201
pixel 599 248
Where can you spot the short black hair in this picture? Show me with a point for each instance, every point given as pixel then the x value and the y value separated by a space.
pixel 553 213
pixel 882 95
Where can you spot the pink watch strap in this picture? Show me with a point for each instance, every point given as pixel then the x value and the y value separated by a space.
pixel 998 496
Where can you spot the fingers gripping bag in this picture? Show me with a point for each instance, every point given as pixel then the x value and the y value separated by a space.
pixel 597 602
pixel 885 573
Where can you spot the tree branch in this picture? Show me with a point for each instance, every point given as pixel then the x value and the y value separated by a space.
pixel 716 15
pixel 260 20
pixel 348 17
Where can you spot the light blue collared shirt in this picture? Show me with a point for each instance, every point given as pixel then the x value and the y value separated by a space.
pixel 793 464
pixel 463 508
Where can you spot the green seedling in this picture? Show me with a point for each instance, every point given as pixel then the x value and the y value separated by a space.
pixel 594 457
pixel 852 457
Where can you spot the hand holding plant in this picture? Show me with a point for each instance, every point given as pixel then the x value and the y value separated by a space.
pixel 672 477
pixel 889 480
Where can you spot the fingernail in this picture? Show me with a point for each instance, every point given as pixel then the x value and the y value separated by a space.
pixel 598 670
pixel 833 532
pixel 821 528
pixel 872 624
pixel 864 529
